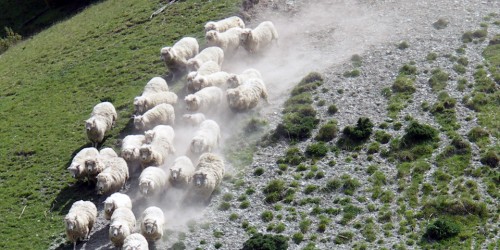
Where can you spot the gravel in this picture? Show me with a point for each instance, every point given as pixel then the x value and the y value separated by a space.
pixel 322 36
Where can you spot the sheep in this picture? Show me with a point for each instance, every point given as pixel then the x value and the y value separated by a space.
pixel 181 172
pixel 155 85
pixel 101 119
pixel 228 41
pixel 225 24
pixel 161 114
pixel 77 168
pixel 108 152
pixel 152 224
pixel 130 147
pixel 194 119
pixel 135 241
pixel 259 38
pixel 113 177
pixel 153 180
pixel 80 220
pixel 144 103
pixel 247 95
pixel 207 68
pixel 204 100
pixel 213 53
pixel 218 79
pixel 122 224
pixel 162 132
pixel 115 201
pixel 159 143
pixel 208 176
pixel 236 80
pixel 176 57
pixel 206 138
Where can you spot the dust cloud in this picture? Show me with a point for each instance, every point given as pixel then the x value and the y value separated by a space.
pixel 312 37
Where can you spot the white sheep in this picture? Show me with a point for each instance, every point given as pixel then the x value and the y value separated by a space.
pixel 155 85
pixel 77 168
pixel 228 41
pixel 181 171
pixel 130 147
pixel 122 224
pixel 206 138
pixel 208 176
pixel 135 241
pixel 113 177
pixel 214 54
pixel 218 79
pixel 207 68
pixel 204 100
pixel 101 119
pixel 194 119
pixel 247 95
pixel 159 144
pixel 160 114
pixel 146 102
pixel 225 24
pixel 115 201
pixel 152 224
pixel 176 57
pixel 259 38
pixel 235 80
pixel 152 181
pixel 108 152
pixel 80 220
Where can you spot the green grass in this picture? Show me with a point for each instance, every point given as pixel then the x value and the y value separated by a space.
pixel 49 85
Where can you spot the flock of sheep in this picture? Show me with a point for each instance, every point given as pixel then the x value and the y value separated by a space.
pixel 155 115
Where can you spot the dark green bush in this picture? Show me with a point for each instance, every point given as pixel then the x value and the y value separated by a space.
pixel 417 133
pixel 276 191
pixel 442 228
pixel 361 132
pixel 297 238
pixel 328 131
pixel 408 70
pixel 403 45
pixel 11 39
pixel 317 150
pixel 267 216
pixel 266 242
pixel 382 137
pixel 403 84
pixel 440 24
pixel 293 156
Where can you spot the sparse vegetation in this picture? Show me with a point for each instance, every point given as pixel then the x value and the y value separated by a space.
pixel 328 131
pixel 352 137
pixel 438 80
pixel 266 242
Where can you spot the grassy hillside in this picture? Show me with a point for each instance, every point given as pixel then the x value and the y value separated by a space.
pixel 50 83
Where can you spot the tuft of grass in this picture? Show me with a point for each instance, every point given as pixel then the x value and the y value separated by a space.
pixel 403 45
pixel 316 150
pixel 332 109
pixel 353 137
pixel 438 79
pixel 441 229
pixel 441 23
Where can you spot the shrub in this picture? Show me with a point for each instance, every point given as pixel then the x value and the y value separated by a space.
pixel 258 171
pixel 431 56
pixel 403 45
pixel 356 60
pixel 408 70
pixel 373 148
pixel 403 84
pixel 417 133
pixel 467 37
pixel 332 109
pixel 11 39
pixel 266 242
pixel 353 73
pixel 267 216
pixel 328 131
pixel 297 238
pixel 490 158
pixel 362 131
pixel 332 185
pixel 293 156
pixel 310 188
pixel 275 191
pixel 317 150
pixel 178 246
pixel 382 137
pixel 297 125
pixel 224 206
pixel 442 229
pixel 304 225
pixel 344 237
pixel 440 24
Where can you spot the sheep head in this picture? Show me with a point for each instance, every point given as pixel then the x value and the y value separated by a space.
pixel 103 183
pixel 70 222
pixel 139 122
pixel 167 53
pixel 90 124
pixel 211 36
pixel 150 226
pixel 175 173
pixel 116 229
pixel 91 165
pixel 149 135
pixel 145 152
pixel 109 205
pixel 245 34
pixel 192 102
pixel 139 104
pixel 127 154
pixel 210 26
pixel 199 179
pixel 74 169
pixel 145 186
pixel 233 81
pixel 198 145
